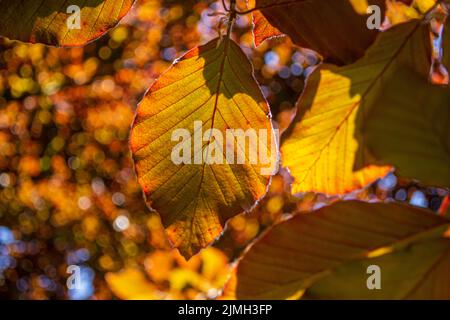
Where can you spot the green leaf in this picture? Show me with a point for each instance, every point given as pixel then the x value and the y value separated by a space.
pixel 47 21
pixel 326 253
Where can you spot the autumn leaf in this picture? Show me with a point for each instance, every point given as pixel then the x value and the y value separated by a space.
pixel 400 11
pixel 262 29
pixel 411 132
pixel 325 148
pixel 210 87
pixel 335 29
pixel 326 254
pixel 131 284
pixel 423 5
pixel 48 21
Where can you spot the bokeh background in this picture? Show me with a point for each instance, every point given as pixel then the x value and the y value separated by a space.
pixel 68 191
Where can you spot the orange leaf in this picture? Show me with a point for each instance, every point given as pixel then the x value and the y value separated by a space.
pixel 59 22
pixel 211 88
pixel 262 29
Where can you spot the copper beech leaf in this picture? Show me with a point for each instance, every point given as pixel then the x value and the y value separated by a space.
pixel 326 254
pixel 131 284
pixel 325 148
pixel 400 11
pixel 210 87
pixel 412 131
pixel 262 29
pixel 335 29
pixel 48 21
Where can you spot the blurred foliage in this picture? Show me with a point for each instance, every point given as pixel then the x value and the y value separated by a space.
pixel 68 191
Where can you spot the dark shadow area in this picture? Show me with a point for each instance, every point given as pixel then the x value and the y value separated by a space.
pixel 339 36
pixel 227 69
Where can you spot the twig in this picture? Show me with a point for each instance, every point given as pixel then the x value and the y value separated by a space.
pixel 233 13
pixel 225 6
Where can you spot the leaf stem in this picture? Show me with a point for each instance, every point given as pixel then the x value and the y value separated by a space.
pixel 225 6
pixel 233 13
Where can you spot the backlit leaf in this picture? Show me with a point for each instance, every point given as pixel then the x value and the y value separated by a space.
pixel 399 12
pixel 446 45
pixel 411 131
pixel 213 84
pixel 325 254
pixel 325 148
pixel 424 5
pixel 262 29
pixel 48 21
pixel 336 29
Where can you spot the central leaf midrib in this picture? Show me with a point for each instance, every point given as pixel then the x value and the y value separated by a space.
pixel 217 93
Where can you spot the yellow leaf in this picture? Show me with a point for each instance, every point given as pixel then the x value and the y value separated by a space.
pixel 131 284
pixel 325 148
pixel 398 12
pixel 326 254
pixel 58 22
pixel 195 190
pixel 424 5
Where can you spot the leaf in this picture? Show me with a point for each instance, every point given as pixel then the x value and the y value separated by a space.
pixel 325 148
pixel 46 21
pixel 424 5
pixel 131 284
pixel 336 29
pixel 262 29
pixel 398 12
pixel 408 127
pixel 213 84
pixel 325 254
